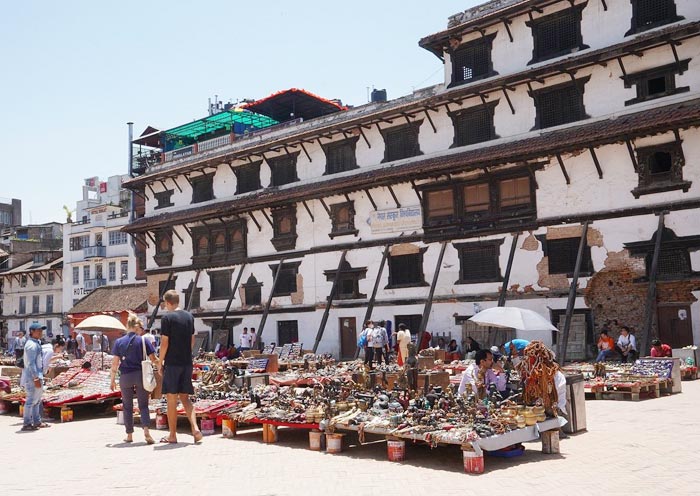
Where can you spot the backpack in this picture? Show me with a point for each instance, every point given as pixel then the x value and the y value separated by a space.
pixel 362 342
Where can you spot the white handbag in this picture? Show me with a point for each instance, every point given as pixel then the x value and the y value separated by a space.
pixel 147 373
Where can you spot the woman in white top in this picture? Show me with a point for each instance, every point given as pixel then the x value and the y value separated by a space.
pixel 626 345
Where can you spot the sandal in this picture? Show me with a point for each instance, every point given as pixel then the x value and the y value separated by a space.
pixel 149 440
pixel 127 440
pixel 165 439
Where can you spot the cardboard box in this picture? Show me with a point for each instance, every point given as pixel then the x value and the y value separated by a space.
pixel 272 364
pixel 440 355
pixel 426 363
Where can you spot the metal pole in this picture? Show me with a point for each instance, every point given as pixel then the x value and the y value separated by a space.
pixel 370 303
pixel 651 293
pixel 506 278
pixel 152 319
pixel 429 302
pixel 194 287
pixel 233 295
pixel 329 302
pixel 572 295
pixel 261 327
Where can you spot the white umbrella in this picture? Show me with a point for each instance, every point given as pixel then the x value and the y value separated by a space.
pixel 513 318
pixel 98 322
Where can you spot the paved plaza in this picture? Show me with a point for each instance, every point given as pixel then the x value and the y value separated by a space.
pixel 641 448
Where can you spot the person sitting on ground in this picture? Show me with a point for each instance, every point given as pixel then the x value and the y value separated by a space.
pixel 472 347
pixel 626 345
pixel 441 343
pixel 453 350
pixel 481 374
pixel 660 350
pixel 606 345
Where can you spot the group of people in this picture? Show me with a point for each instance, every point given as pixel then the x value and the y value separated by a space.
pixel 626 346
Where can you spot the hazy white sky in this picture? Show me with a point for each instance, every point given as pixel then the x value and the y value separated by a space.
pixel 74 72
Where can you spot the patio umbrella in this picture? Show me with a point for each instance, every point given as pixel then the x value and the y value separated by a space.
pixel 513 318
pixel 101 322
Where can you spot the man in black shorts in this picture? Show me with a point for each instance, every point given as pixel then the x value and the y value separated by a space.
pixel 177 340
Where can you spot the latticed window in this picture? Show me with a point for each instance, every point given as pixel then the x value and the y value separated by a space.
pixel 560 104
pixel 164 199
pixel 406 270
pixel 287 280
pixel 401 142
pixel 656 82
pixel 343 219
pixel 648 14
pixel 202 188
pixel 562 255
pixel 253 291
pixel 660 168
pixel 440 204
pixel 479 261
pixel 248 178
pixel 557 34
pixel 284 232
pixel 476 197
pixel 283 169
pixel 203 244
pixel 473 125
pixel 673 264
pixel 515 192
pixel 219 241
pixel 220 283
pixel 340 156
pixel 472 61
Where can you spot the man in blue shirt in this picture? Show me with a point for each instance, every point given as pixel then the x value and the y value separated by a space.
pixel 515 347
pixel 33 378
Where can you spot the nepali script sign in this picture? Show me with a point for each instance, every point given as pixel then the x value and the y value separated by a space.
pixel 396 220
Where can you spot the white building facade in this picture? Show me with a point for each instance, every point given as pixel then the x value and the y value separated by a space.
pixel 96 251
pixel 553 119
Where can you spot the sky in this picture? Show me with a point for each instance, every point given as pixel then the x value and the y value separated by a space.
pixel 75 72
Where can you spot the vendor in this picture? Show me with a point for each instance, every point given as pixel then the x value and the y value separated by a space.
pixel 481 374
pixel 471 347
pixel 660 350
pixel 50 352
pixel 626 345
pixel 606 345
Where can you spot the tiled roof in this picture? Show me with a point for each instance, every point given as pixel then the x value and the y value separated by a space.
pixel 114 299
pixel 535 145
pixel 31 267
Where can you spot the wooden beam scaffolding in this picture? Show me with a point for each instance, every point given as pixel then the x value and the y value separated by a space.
pixel 506 277
pixel 308 210
pixel 152 319
pixel 232 296
pixel 255 221
pixel 373 297
pixel 431 295
pixel 650 307
pixel 329 302
pixel 192 290
pixel 261 327
pixel 595 161
pixel 563 169
pixel 571 301
pixel 393 195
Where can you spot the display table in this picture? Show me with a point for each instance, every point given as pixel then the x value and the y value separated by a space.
pixel 675 370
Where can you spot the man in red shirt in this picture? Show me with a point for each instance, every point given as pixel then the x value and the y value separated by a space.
pixel 660 350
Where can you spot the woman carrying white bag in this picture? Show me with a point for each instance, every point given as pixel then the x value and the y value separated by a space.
pixel 133 355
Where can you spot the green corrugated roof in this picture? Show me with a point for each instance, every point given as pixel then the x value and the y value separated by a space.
pixel 223 120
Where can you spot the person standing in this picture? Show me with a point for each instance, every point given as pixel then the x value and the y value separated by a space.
pixel 71 345
pixel 254 345
pixel 49 350
pixel 403 339
pixel 128 353
pixel 177 341
pixel 380 342
pixel 18 344
pixel 245 340
pixel 32 379
pixel 81 348
pixel 365 342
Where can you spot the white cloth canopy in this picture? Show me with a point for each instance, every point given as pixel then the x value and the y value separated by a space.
pixel 100 322
pixel 516 318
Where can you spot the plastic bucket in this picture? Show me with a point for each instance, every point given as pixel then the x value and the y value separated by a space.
pixel 334 443
pixel 161 421
pixel 396 450
pixel 315 440
pixel 120 417
pixel 227 429
pixel 473 463
pixel 208 427
pixel 67 415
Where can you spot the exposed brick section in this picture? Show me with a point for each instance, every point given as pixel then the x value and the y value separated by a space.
pixel 531 243
pixel 404 249
pixel 551 281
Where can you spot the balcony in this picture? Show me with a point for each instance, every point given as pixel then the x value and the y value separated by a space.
pixel 92 284
pixel 95 252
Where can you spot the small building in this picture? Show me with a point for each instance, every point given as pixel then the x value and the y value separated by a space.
pixel 10 212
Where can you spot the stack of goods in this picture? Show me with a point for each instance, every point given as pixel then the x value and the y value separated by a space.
pixel 16 392
pixel 79 384
pixel 653 368
pixel 290 352
pixel 537 369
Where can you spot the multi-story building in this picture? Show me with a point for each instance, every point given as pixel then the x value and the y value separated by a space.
pixel 556 169
pixel 96 251
pixel 10 213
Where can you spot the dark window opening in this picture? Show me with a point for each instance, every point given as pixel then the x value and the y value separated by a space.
pixel 164 248
pixel 253 291
pixel 164 199
pixel 35 304
pixel 479 262
pixel 401 142
pixel 672 264
pixel 283 169
pixel 284 227
pixel 343 219
pixel 657 82
pixel 220 284
pixel 221 246
pixel 674 258
pixel 473 125
pixel 287 332
pixel 560 104
pixel 406 270
pixel 660 168
pixel 340 156
pixel 557 34
pixel 202 188
pixel 164 286
pixel 656 85
pixel 648 14
pixel 196 300
pixel 348 286
pixel 287 280
pixel 561 255
pixel 472 61
pixel 248 178
pixel 660 163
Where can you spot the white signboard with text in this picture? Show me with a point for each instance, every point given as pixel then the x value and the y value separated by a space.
pixel 396 220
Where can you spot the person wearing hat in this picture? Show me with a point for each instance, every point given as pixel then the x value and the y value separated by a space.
pixel 515 347
pixel 32 379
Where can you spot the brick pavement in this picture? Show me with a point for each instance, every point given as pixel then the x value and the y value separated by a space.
pixel 643 448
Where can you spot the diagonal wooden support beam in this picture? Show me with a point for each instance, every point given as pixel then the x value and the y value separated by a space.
pixel 373 297
pixel 232 296
pixel 308 210
pixel 267 218
pixel 371 200
pixel 393 195
pixel 595 161
pixel 633 157
pixel 329 302
pixel 564 341
pixel 506 277
pixel 255 221
pixel 261 326
pixel 431 295
pixel 651 304
pixel 563 169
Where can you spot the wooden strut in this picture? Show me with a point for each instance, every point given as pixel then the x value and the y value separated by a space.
pixel 632 156
pixel 371 200
pixel 393 195
pixel 506 23
pixel 571 301
pixel 415 188
pixel 176 184
pixel 510 103
pixel 305 151
pixel 194 287
pixel 563 169
pixel 370 303
pixel 595 161
pixel 255 221
pixel 650 308
pixel 362 133
pixel 261 327
pixel 152 319
pixel 329 302
pixel 233 295
pixel 430 120
pixel 151 189
pixel 267 218
pixel 174 230
pixel 506 277
pixel 429 301
pixel 325 207
pixel 308 210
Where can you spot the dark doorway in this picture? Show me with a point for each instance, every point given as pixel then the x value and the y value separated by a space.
pixel 348 337
pixel 287 332
pixel 675 325
pixel 412 322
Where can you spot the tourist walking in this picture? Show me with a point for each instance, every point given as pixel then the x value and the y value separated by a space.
pixel 177 341
pixel 32 379
pixel 129 351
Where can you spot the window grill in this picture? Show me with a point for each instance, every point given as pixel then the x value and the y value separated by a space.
pixel 76 276
pixel 49 304
pixel 557 34
pixel 164 199
pixel 472 61
pixel 479 261
pixel 202 188
pixel 562 255
pixel 652 13
pixel 559 106
pixel 656 82
pixel 401 142
pixel 673 264
pixel 283 169
pixel 112 271
pixel 406 270
pixel 473 125
pixel 35 304
pixel 220 284
pixel 287 280
pixel 340 156
pixel 219 242
pixel 248 178
pixel 253 291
